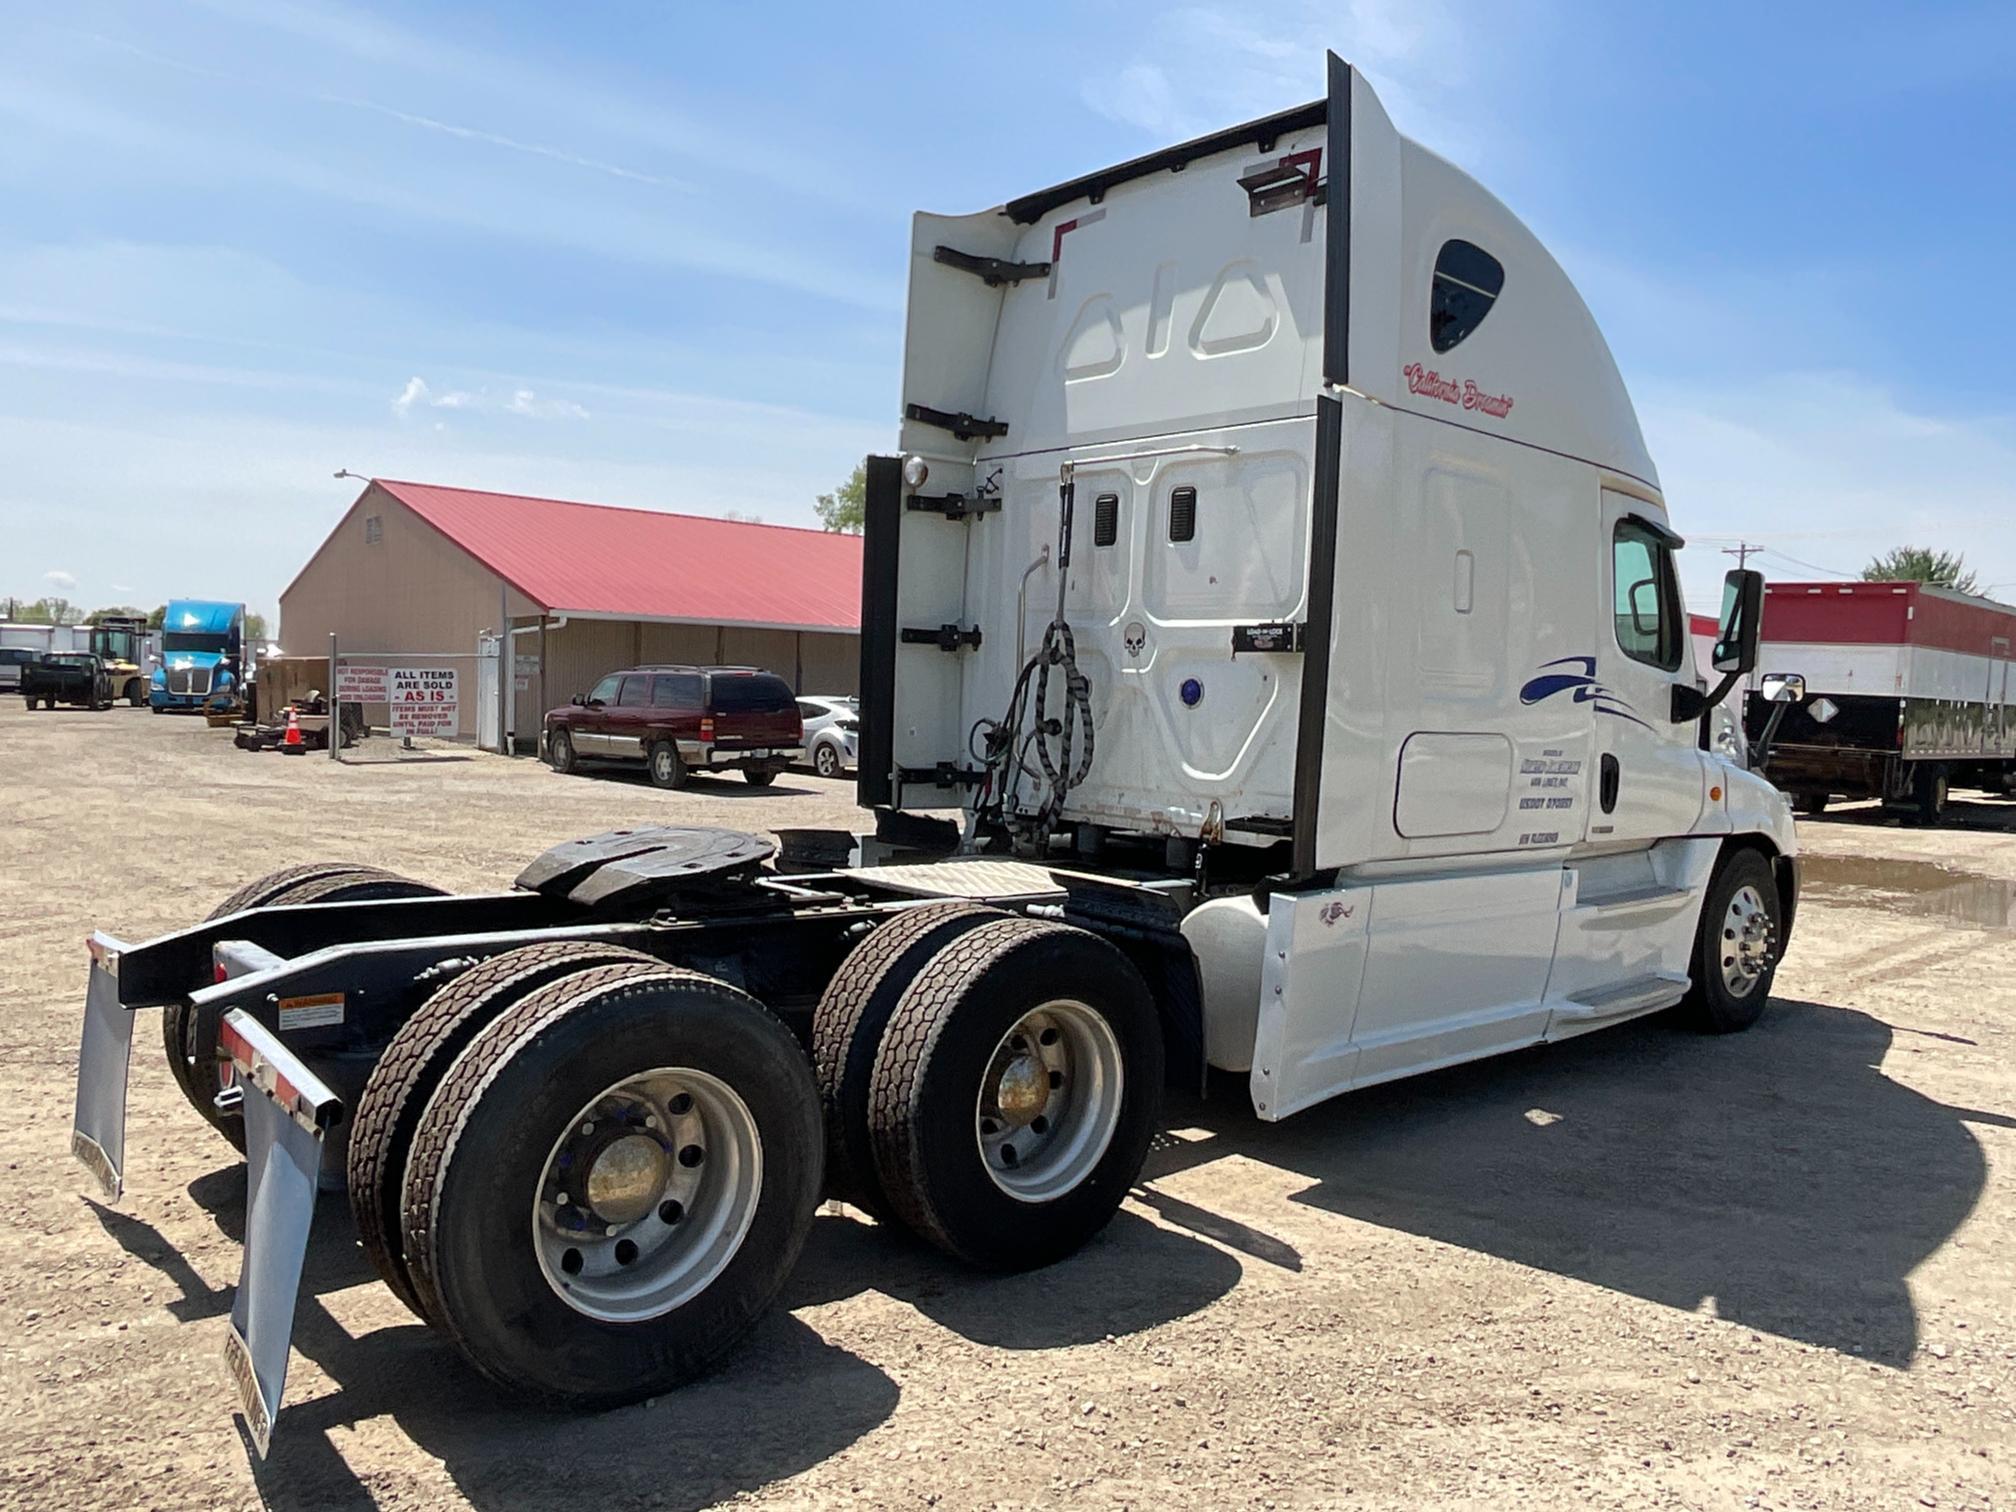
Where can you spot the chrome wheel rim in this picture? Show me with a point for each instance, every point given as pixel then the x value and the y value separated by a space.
pixel 647 1194
pixel 662 764
pixel 1049 1101
pixel 826 762
pixel 1749 939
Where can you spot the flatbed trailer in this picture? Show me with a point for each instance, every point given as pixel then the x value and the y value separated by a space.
pixel 1915 683
pixel 1274 578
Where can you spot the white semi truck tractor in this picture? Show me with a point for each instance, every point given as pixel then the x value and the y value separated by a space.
pixel 1273 665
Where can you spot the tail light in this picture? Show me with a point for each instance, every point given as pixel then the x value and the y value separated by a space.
pixel 706 726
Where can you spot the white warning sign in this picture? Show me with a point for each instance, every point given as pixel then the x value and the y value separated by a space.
pixel 424 701
pixel 361 684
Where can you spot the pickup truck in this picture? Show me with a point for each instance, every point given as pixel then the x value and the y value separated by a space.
pixel 71 677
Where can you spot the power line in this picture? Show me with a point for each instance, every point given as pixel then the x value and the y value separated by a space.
pixel 1741 551
pixel 1833 572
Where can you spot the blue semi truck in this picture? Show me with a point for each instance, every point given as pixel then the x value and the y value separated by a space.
pixel 202 662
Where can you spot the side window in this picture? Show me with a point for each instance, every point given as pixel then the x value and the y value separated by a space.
pixel 808 710
pixel 680 690
pixel 1467 283
pixel 635 691
pixel 605 690
pixel 1647 592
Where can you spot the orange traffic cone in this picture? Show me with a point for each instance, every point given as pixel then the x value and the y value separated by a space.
pixel 291 742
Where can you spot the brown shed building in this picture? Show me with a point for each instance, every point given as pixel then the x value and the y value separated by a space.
pixel 415 571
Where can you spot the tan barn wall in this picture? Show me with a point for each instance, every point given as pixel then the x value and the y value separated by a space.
pixel 411 590
pixel 832 663
pixel 577 655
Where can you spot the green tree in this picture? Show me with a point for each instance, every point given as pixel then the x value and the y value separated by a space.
pixel 846 508
pixel 1921 564
pixel 127 611
pixel 255 627
pixel 158 617
pixel 50 611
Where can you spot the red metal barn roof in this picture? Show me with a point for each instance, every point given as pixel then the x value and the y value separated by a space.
pixel 593 559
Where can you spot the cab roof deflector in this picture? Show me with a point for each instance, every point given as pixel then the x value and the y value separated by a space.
pixel 1093 186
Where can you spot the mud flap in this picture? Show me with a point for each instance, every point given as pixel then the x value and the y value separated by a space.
pixel 287 1110
pixel 98 1131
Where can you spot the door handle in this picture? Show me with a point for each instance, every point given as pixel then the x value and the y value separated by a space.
pixel 1606 783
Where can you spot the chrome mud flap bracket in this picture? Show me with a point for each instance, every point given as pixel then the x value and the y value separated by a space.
pixel 98 1130
pixel 287 1111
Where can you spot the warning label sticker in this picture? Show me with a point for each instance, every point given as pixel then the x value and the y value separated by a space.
pixel 311 1012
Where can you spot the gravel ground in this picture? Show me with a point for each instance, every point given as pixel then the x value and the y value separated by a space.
pixel 1644 1269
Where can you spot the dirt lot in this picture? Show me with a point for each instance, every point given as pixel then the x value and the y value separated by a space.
pixel 1645 1269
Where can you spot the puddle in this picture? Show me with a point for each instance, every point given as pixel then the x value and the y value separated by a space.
pixel 1923 889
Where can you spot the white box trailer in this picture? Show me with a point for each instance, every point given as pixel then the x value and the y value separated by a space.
pixel 1273 576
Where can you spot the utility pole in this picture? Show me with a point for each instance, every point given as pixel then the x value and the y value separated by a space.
pixel 1741 551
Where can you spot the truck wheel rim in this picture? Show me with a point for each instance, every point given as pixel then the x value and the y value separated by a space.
pixel 1749 936
pixel 661 764
pixel 1050 1101
pixel 647 1194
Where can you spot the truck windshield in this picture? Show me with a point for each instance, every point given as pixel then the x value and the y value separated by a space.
pixel 191 640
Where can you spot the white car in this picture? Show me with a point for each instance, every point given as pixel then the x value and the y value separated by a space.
pixel 832 727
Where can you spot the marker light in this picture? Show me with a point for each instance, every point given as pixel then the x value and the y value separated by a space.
pixel 915 471
pixel 1192 691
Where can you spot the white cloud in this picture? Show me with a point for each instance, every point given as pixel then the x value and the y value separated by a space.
pixel 1206 67
pixel 122 587
pixel 56 577
pixel 522 401
pixel 525 402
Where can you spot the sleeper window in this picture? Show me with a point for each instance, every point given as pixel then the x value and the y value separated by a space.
pixel 1467 283
pixel 1647 596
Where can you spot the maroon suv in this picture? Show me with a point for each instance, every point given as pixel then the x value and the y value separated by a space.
pixel 681 719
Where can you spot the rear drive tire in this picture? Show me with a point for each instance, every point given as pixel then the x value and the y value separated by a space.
pixel 760 776
pixel 395 1097
pixel 682 1119
pixel 1015 1092
pixel 1736 946
pixel 665 767
pixel 189 1033
pixel 1929 790
pixel 560 753
pixel 847 1029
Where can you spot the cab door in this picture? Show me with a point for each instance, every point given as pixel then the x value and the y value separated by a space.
pixel 1649 770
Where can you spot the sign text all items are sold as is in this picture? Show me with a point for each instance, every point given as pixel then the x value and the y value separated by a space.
pixel 425 701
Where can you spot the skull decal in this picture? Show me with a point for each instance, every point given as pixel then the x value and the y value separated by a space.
pixel 1134 637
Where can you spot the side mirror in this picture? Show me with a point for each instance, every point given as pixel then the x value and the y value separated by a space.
pixel 1782 687
pixel 1742 622
pixel 579 700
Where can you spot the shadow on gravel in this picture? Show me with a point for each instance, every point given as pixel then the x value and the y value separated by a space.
pixel 784 1400
pixel 698 784
pixel 1972 811
pixel 1132 1277
pixel 1775 1175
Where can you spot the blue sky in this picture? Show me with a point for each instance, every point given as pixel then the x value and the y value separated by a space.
pixel 652 253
